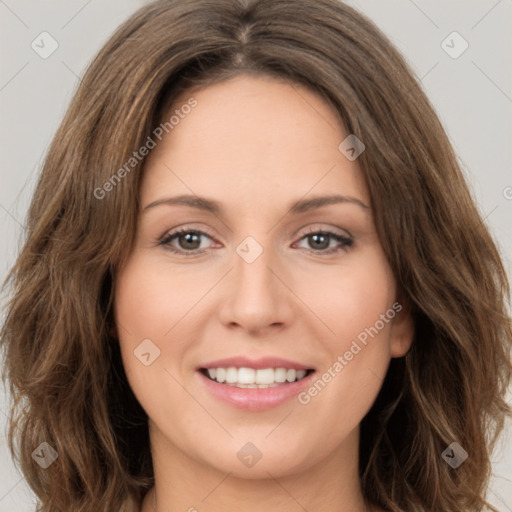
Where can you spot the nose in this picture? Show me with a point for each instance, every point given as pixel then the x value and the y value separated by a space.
pixel 257 295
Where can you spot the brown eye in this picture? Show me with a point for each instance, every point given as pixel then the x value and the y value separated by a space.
pixel 187 239
pixel 319 241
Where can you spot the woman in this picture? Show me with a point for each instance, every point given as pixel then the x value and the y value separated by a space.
pixel 255 277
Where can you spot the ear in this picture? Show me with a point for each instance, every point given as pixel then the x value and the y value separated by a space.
pixel 402 333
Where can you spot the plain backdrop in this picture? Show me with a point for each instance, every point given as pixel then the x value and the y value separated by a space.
pixel 472 93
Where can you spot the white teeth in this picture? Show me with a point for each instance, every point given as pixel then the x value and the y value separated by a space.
pixel 280 375
pixel 251 378
pixel 220 374
pixel 231 375
pixel 290 375
pixel 246 375
pixel 265 376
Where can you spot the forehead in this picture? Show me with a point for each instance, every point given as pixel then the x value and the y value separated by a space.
pixel 253 141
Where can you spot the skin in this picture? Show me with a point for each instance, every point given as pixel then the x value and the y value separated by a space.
pixel 255 145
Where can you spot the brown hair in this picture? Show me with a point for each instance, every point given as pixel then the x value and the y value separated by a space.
pixel 64 366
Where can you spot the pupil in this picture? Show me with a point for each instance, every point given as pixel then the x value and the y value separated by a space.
pixel 315 238
pixel 188 237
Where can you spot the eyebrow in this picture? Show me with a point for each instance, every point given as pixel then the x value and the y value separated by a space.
pixel 297 207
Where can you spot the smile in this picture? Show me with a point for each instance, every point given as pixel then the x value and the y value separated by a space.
pixel 260 378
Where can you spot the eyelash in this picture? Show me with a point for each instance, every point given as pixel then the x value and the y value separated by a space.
pixel 167 238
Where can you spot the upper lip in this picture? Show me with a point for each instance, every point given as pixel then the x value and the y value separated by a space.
pixel 264 362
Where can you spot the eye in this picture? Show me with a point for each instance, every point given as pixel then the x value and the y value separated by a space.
pixel 187 239
pixel 320 240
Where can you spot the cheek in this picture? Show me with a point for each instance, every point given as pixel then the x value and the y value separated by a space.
pixel 356 356
pixel 145 309
pixel 359 297
pixel 359 351
pixel 142 311
pixel 150 299
pixel 155 302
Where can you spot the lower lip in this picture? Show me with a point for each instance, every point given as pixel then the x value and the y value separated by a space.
pixel 255 399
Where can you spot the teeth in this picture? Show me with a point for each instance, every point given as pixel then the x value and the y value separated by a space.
pixel 280 375
pixel 231 375
pixel 251 378
pixel 264 376
pixel 247 376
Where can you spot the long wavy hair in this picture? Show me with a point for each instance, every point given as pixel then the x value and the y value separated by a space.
pixel 62 361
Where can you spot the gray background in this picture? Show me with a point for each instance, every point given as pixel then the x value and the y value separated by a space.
pixel 472 95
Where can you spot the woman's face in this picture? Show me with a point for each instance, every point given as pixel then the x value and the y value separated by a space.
pixel 267 278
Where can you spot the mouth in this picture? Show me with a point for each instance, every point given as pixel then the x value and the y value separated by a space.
pixel 254 384
pixel 252 378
